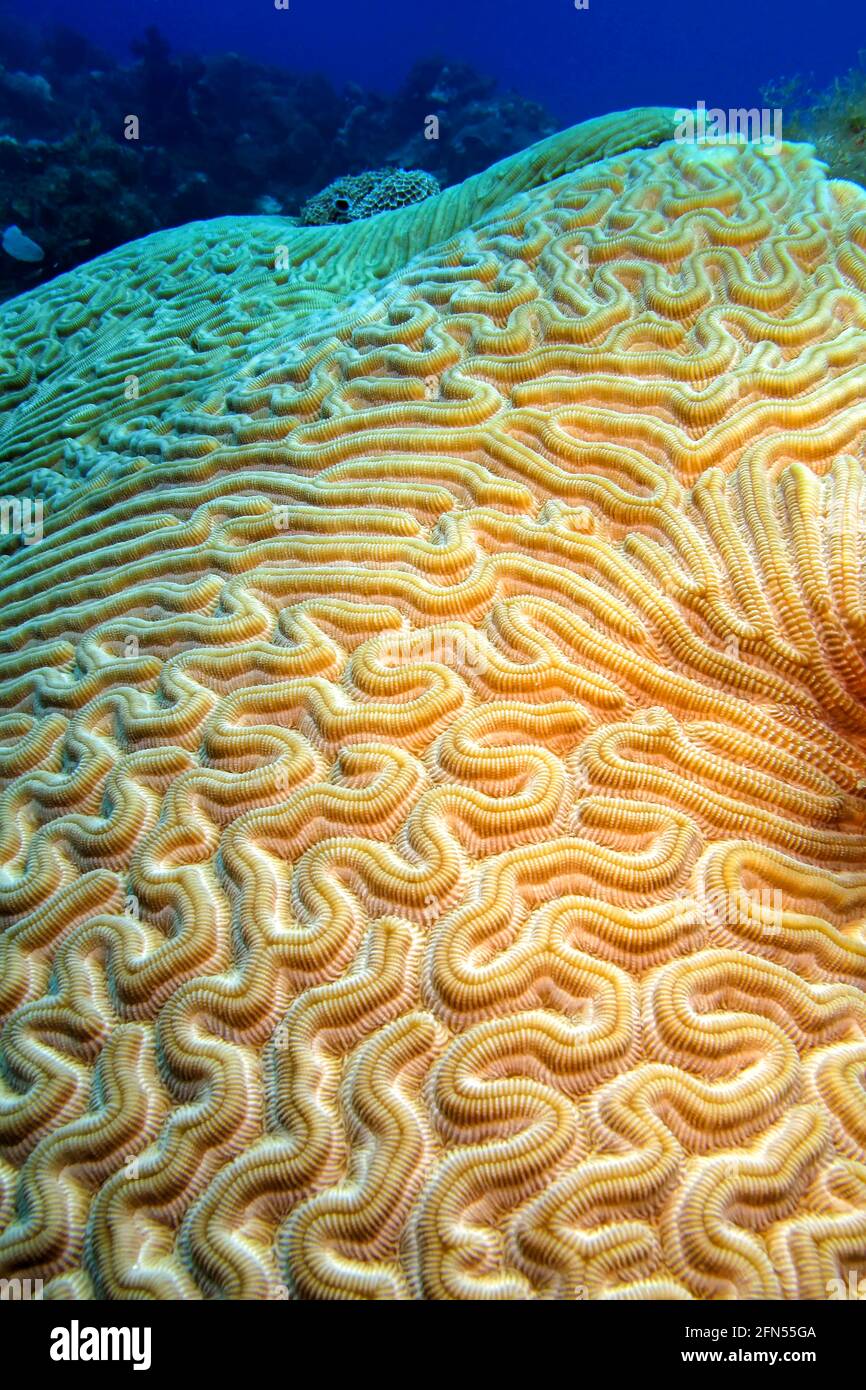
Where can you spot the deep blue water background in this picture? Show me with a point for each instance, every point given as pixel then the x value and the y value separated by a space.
pixel 618 53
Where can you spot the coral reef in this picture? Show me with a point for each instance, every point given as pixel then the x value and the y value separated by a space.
pixel 217 135
pixel 833 120
pixel 434 744
pixel 357 196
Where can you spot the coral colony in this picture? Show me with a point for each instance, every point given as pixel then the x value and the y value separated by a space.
pixel 433 740
pixel 364 195
pixel 95 153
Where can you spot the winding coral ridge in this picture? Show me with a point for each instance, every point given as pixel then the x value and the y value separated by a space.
pixel 433 833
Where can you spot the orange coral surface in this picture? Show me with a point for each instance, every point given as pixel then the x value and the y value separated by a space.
pixel 433 844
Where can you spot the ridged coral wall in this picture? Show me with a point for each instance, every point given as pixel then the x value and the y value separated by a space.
pixel 433 840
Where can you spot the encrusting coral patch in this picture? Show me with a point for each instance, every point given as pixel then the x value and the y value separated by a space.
pixel 434 744
pixel 357 196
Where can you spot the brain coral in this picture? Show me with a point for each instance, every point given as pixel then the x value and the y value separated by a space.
pixel 357 196
pixel 434 744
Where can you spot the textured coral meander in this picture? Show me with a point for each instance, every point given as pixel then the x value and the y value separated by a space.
pixel 433 744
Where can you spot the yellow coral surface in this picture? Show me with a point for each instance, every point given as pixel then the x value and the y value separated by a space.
pixel 433 744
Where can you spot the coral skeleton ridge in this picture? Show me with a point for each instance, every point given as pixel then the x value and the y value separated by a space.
pixel 433 744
